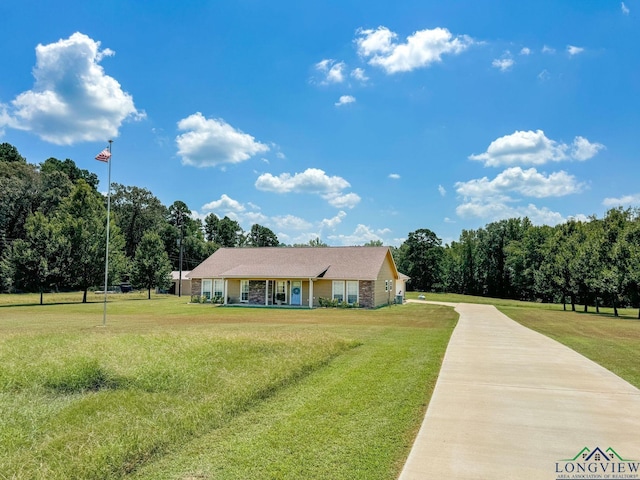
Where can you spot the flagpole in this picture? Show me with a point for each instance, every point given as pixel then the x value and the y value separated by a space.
pixel 106 260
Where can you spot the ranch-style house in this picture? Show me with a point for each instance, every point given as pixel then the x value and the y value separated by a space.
pixel 366 276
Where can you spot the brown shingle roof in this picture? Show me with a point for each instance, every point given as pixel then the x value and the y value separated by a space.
pixel 355 263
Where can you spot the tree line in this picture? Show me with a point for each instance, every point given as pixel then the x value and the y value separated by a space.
pixel 52 237
pixel 53 230
pixel 590 263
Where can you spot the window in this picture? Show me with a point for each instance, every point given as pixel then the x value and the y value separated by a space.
pixel 244 290
pixel 352 292
pixel 281 289
pixel 218 288
pixel 386 285
pixel 206 289
pixel 338 291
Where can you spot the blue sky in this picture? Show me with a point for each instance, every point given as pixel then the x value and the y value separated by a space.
pixel 345 120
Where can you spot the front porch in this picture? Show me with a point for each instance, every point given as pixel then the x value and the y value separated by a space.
pixel 290 292
pixel 294 292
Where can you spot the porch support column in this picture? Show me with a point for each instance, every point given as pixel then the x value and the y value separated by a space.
pixel 226 289
pixel 266 292
pixel 310 293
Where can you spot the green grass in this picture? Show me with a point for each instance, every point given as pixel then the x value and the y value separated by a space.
pixel 630 313
pixel 458 298
pixel 173 390
pixel 611 342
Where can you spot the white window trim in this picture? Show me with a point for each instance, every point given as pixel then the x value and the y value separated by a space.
pixel 281 287
pixel 219 282
pixel 202 289
pixel 242 283
pixel 333 289
pixel 357 284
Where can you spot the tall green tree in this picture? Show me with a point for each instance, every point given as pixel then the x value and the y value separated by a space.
pixel 260 236
pixel 632 238
pixel 10 154
pixel 151 265
pixel 452 262
pixel 422 260
pixel 616 257
pixel 136 210
pixel 83 221
pixel 556 271
pixel 493 254
pixel 20 197
pixel 71 170
pixel 182 229
pixel 211 222
pixel 230 233
pixel 56 186
pixel 40 258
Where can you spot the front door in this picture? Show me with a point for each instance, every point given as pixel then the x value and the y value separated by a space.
pixel 296 293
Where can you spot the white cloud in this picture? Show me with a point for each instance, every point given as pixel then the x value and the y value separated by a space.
pixel 529 183
pixel 625 10
pixel 332 223
pixel 421 49
pixel 211 142
pixel 582 149
pixel 625 201
pixel 348 200
pixel 525 51
pixel 249 214
pixel 333 72
pixel 358 74
pixel 72 100
pixel 573 50
pixel 534 148
pixel 547 49
pixel 544 75
pixel 394 176
pixel 226 204
pixel 374 42
pixel 500 210
pixel 503 64
pixel 4 118
pixel 362 234
pixel 290 222
pixel 345 100
pixel 312 180
pixel 442 190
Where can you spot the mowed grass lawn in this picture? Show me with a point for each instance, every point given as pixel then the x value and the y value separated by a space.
pixel 179 391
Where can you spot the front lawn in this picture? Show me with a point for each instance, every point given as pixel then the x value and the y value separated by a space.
pixel 174 390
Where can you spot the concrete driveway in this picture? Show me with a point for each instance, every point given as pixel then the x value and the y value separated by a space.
pixel 513 404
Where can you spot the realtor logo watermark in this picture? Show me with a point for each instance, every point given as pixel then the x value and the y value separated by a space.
pixel 597 463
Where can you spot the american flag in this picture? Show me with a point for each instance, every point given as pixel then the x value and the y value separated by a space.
pixel 104 155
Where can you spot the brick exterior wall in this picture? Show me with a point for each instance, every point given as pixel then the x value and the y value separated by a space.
pixel 257 291
pixel 196 286
pixel 367 293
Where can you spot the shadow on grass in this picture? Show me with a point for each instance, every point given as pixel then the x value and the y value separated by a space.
pixel 607 315
pixel 70 302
